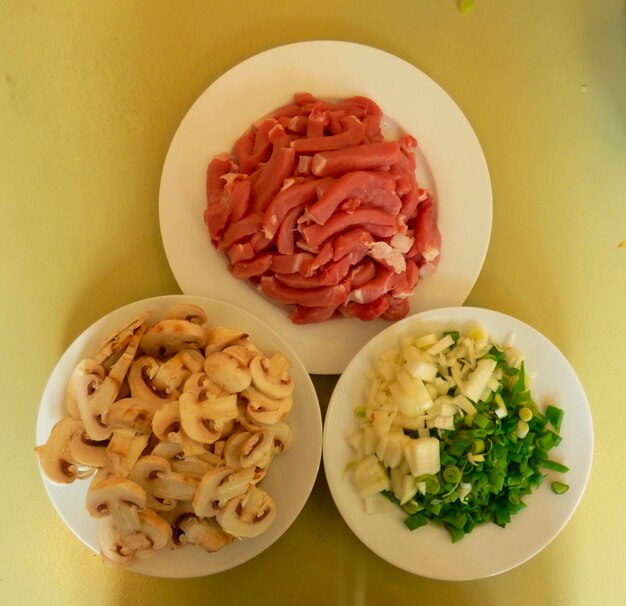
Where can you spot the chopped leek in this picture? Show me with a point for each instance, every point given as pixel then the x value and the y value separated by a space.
pixel 450 433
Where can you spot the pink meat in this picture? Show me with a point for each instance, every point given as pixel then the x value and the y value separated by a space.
pixel 353 134
pixel 373 118
pixel 367 311
pixel 398 308
pixel 427 236
pixel 240 230
pixel 242 251
pixel 379 285
pixel 312 315
pixel 315 235
pixel 357 239
pixel 336 271
pixel 239 199
pixel 372 189
pixel 288 264
pixel 360 274
pixel 271 176
pixel 245 270
pixel 325 296
pixel 285 232
pixel 296 280
pixel 370 156
pixel 297 195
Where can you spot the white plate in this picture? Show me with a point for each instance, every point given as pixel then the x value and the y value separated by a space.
pixel 452 165
pixel 489 549
pixel 289 481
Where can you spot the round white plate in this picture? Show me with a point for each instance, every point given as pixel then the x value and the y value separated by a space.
pixel 451 162
pixel 489 549
pixel 289 481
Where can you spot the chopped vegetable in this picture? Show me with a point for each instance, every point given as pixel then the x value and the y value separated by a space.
pixel 449 432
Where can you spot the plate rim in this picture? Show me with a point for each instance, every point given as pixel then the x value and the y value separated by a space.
pixel 479 186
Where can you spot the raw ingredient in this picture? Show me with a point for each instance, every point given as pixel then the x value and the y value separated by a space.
pixel 450 433
pixel 177 422
pixel 322 213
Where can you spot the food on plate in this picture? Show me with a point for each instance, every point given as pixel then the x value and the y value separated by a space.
pixel 449 432
pixel 176 422
pixel 322 213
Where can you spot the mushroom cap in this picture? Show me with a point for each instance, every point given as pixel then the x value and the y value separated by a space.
pixel 264 410
pixel 205 532
pixel 202 418
pixel 186 311
pixel 124 449
pixel 88 452
pixel 218 486
pixel 168 337
pixel 155 475
pixel 120 498
pixel 201 379
pixel 92 392
pixel 233 446
pixel 55 456
pixel 171 375
pixel 227 372
pixel 130 413
pixel 119 548
pixel 247 515
pixel 166 422
pixel 121 338
pixel 220 337
pixel 257 450
pixel 140 381
pixel 283 436
pixel 271 377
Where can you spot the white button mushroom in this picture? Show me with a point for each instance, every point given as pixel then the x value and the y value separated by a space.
pixel 168 337
pixel 120 498
pixel 247 515
pixel 227 371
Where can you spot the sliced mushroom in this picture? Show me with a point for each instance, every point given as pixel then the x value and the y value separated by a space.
pixel 264 410
pixel 130 413
pixel 112 550
pixel 271 376
pixel 220 337
pixel 227 372
pixel 283 436
pixel 168 337
pixel 121 338
pixel 201 379
pixel 174 372
pixel 125 447
pixel 166 422
pixel 91 393
pixel 247 515
pixel 55 456
pixel 119 548
pixel 157 478
pixel 243 353
pixel 186 311
pixel 189 529
pixel 218 486
pixel 120 498
pixel 92 390
pixel 205 532
pixel 87 451
pixel 203 419
pixel 233 446
pixel 257 451
pixel 140 381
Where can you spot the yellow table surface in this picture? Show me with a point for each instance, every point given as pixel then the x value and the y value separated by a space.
pixel 91 94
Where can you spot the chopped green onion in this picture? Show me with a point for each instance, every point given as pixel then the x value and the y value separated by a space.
pixel 555 416
pixel 559 487
pixel 553 465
